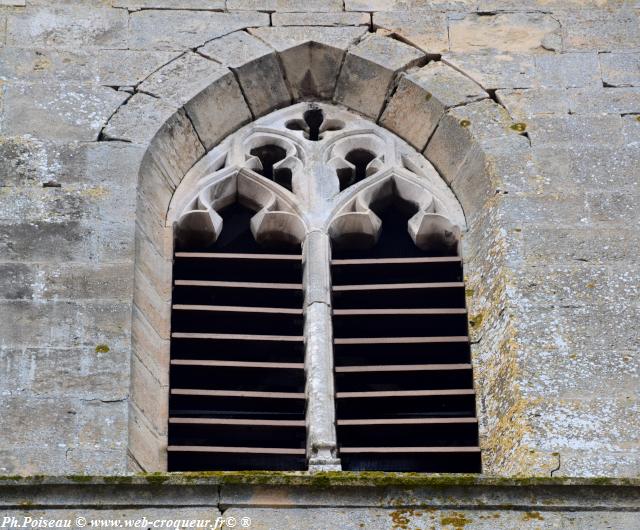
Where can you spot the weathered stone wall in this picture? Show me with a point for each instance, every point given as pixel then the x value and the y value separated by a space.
pixel 552 266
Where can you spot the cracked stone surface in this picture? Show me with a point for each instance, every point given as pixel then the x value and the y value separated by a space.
pixel 550 91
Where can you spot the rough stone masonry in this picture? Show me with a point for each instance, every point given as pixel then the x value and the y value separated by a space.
pixel 562 75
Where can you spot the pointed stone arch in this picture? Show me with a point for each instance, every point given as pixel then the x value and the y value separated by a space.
pixel 182 111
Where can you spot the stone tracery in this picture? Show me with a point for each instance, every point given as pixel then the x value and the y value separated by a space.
pixel 317 166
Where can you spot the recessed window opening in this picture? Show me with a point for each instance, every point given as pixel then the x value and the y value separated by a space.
pixel 360 158
pixel 404 381
pixel 237 355
pixel 269 156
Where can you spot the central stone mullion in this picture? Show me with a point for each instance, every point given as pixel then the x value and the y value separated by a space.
pixel 322 448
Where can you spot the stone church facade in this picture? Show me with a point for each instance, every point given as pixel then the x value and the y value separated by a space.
pixel 507 135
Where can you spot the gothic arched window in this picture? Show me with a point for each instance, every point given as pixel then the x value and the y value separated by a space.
pixel 318 305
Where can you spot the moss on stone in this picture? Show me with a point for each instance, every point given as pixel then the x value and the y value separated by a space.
pixel 328 479
pixel 102 348
pixel 156 478
pixel 119 479
pixel 81 478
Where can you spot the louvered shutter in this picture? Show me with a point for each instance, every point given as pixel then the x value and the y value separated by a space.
pixel 404 382
pixel 237 358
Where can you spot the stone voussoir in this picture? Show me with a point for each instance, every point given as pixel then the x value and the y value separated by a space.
pixel 480 124
pixel 257 69
pixel 311 56
pixel 369 71
pixel 211 98
pixel 425 95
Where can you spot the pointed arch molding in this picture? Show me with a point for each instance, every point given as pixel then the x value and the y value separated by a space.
pixel 198 103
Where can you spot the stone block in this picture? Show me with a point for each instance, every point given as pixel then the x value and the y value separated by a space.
pixel 153 227
pixel 311 56
pixel 620 207
pixel 369 70
pixel 328 19
pixel 202 5
pixel 580 373
pixel 148 449
pixel 631 130
pixel 602 327
pixel 493 71
pixel 149 347
pixel 211 96
pixel 544 283
pixel 62 422
pixel 128 67
pixel 505 32
pixel 180 30
pixel 30 162
pixel 587 168
pixel 150 396
pixel 426 30
pixel 66 204
pixel 32 461
pixel 546 209
pixel 155 307
pixel 522 104
pixel 83 373
pixel 421 99
pixel 65 324
pixel 61 112
pixel 598 101
pixel 600 29
pixel 65 240
pixel 461 130
pixel 584 130
pixel 486 172
pixel 257 69
pixel 38 64
pixel 16 3
pixel 595 424
pixel 588 243
pixel 409 5
pixel 286 5
pixel 66 281
pixel 112 68
pixel 68 27
pixel 568 70
pixel 620 69
pixel 547 6
pixel 155 265
pixel 576 463
pixel 510 167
